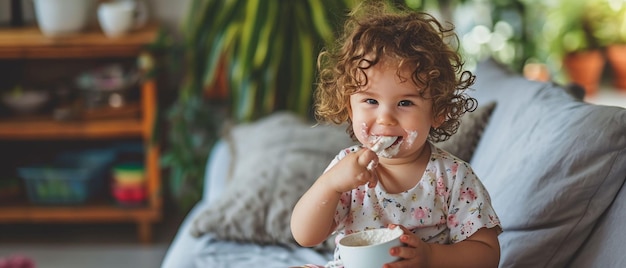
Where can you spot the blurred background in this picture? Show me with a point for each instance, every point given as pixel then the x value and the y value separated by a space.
pixel 187 69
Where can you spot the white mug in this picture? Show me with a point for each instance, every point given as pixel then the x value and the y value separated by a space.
pixel 120 17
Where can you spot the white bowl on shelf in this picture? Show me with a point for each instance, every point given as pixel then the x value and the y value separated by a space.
pixel 62 17
pixel 25 101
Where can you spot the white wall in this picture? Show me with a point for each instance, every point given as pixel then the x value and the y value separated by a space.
pixel 166 12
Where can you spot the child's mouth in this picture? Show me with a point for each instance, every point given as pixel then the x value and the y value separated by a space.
pixel 384 142
pixel 398 140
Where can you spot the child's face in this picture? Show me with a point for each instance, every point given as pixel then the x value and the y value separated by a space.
pixel 389 106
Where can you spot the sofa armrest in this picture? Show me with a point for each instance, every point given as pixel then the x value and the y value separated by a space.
pixel 184 246
pixel 182 250
pixel 217 171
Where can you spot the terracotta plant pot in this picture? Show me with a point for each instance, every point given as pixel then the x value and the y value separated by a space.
pixel 585 69
pixel 616 55
pixel 537 72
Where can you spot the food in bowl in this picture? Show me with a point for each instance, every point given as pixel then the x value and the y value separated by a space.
pixel 371 237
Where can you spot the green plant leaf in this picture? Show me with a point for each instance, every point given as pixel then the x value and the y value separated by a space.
pixel 267 51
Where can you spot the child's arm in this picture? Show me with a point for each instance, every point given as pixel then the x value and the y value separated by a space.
pixel 481 249
pixel 312 219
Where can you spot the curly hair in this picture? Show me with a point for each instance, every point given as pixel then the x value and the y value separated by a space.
pixel 375 32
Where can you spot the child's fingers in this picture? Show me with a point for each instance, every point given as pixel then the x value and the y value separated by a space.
pixel 410 239
pixel 367 177
pixel 374 180
pixel 367 158
pixel 404 229
pixel 411 247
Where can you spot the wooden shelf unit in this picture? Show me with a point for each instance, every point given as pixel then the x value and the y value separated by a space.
pixel 29 44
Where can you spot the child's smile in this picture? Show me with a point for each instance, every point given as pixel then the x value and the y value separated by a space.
pixel 390 106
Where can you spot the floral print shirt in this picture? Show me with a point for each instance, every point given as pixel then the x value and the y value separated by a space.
pixel 447 205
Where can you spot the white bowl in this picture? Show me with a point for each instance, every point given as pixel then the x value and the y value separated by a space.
pixel 370 248
pixel 26 101
pixel 62 17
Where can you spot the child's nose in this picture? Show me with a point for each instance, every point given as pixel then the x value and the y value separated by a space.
pixel 386 117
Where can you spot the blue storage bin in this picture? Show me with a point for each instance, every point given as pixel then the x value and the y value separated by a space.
pixel 73 178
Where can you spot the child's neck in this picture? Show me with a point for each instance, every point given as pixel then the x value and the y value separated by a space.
pixel 399 175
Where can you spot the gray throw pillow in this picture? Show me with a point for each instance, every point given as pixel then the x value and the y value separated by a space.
pixel 276 159
pixel 463 143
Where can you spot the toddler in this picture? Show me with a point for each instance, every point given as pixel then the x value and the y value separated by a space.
pixel 400 87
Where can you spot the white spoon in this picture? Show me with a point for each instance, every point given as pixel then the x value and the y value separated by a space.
pixel 382 143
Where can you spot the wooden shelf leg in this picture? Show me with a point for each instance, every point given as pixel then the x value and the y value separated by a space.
pixel 144 231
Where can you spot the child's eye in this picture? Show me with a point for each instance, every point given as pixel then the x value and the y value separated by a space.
pixel 405 103
pixel 371 101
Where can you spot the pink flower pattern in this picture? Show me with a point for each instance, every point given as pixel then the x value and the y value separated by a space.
pixel 468 195
pixel 441 190
pixel 421 213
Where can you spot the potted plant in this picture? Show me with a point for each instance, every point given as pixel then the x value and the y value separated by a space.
pixel 571 44
pixel 266 48
pixel 608 23
pixel 244 59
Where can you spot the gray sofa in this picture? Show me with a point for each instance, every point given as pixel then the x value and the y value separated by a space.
pixel 554 165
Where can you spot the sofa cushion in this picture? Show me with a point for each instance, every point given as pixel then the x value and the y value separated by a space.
pixel 276 159
pixel 552 165
pixel 463 143
pixel 605 247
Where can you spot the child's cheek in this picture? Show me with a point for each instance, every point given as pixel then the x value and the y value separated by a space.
pixel 364 132
pixel 410 138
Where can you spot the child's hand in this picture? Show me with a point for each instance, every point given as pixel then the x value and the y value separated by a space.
pixel 352 171
pixel 415 253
